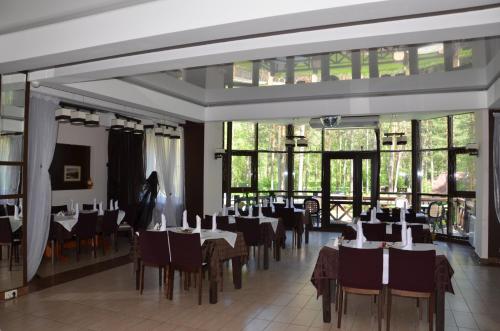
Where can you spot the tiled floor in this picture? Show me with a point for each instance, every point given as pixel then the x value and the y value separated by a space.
pixel 281 298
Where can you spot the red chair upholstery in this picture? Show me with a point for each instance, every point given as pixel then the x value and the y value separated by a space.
pixel 411 274
pixel 250 227
pixel 154 252
pixel 185 256
pixel 8 239
pixel 110 227
pixel 360 272
pixel 374 232
pixel 85 229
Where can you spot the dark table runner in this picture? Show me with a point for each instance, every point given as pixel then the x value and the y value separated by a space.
pixel 326 271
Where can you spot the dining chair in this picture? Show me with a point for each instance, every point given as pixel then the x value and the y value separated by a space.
pixel 396 214
pixel 411 275
pixel 185 256
pixel 88 206
pixel 374 232
pixel 10 209
pixel 154 251
pixel 59 208
pixel 109 228
pixel 360 272
pixel 384 216
pixel 85 229
pixel 290 223
pixel 3 210
pixel 222 223
pixel 250 227
pixel 312 206
pixel 268 212
pixel 9 240
pixel 417 233
pixel 206 223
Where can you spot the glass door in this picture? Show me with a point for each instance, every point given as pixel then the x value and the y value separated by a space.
pixel 348 186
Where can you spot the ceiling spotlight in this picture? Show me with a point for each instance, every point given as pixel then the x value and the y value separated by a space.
pixel 129 126
pixel 77 117
pixel 117 124
pixel 139 128
pixel 92 120
pixel 63 115
pixel 401 140
pixel 387 140
pixel 302 142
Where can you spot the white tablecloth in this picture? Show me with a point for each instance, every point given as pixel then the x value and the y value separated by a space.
pixel 272 220
pixel 388 228
pixel 374 244
pixel 15 224
pixel 230 237
pixel 68 222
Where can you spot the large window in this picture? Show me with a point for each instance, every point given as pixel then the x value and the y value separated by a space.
pixel 242 73
pixel 340 64
pixel 350 140
pixel 431 58
pixel 272 72
pixel 434 133
pixel 272 172
pixel 393 61
pixel 272 137
pixel 307 69
pixel 307 172
pixel 464 129
pixel 243 135
pixel 434 172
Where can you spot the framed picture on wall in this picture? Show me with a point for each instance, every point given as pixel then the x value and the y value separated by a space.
pixel 72 173
pixel 70 168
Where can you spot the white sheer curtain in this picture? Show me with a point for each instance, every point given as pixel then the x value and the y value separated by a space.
pixel 496 165
pixel 165 156
pixel 42 141
pixel 11 149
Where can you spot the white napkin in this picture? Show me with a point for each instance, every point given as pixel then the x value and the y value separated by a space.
pixel 101 211
pixel 403 233
pixel 291 203
pixel 373 216
pixel 224 210
pixel 360 238
pixel 272 208
pixel 185 224
pixel 16 212
pixel 250 211
pixel 116 205
pixel 260 211
pixel 163 226
pixel 402 215
pixel 198 225
pixel 72 206
pixel 111 207
pixel 60 214
pixel 95 204
pixel 286 203
pixel 20 211
pixel 214 222
pixel 409 240
pixel 77 211
pixel 379 209
pixel 236 210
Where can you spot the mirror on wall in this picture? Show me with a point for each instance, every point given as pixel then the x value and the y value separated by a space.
pixel 11 194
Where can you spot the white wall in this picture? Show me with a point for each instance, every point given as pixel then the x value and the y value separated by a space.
pixel 482 184
pixel 212 169
pixel 97 139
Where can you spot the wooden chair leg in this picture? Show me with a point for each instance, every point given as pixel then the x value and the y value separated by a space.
pixel 337 296
pixel 115 241
pixel 379 315
pixel 77 250
pixel 53 251
pixel 389 303
pixel 94 246
pixel 345 303
pixel 200 286
pixel 142 279
pixel 159 276
pixel 339 312
pixel 10 248
pixel 221 277
pixel 165 269
pixel 258 256
pixel 102 245
pixel 431 313
pixel 170 283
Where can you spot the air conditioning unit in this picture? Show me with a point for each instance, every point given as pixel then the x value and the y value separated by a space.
pixel 343 122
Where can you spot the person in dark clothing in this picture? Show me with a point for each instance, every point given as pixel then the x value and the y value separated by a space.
pixel 147 202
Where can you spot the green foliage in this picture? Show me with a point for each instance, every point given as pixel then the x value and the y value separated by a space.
pixel 243 136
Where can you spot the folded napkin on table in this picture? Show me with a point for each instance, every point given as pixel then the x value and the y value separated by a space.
pixel 224 210
pixel 163 226
pixel 116 205
pixel 373 216
pixel 236 210
pixel 101 211
pixel 60 214
pixel 214 222
pixel 111 207
pixel 360 238
pixel 77 211
pixel 198 225
pixel 379 209
pixel 409 240
pixel 16 212
pixel 260 211
pixel 95 204
pixel 185 224
pixel 72 206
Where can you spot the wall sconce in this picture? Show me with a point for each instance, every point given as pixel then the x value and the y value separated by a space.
pixel 219 153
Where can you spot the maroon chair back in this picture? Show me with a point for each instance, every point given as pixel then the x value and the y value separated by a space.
pixel 417 233
pixel 255 211
pixel 185 251
pixel 412 270
pixel 396 214
pixel 110 221
pixel 267 211
pixel 10 209
pixel 3 211
pixel 396 232
pixel 87 206
pixel 288 217
pixel 86 226
pixel 5 231
pixel 59 208
pixel 361 268
pixel 384 217
pixel 250 227
pixel 206 222
pixel 222 223
pixel 153 247
pixel 374 232
pixel 349 233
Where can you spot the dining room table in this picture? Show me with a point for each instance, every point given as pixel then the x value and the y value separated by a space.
pixel 217 247
pixel 350 231
pixel 326 270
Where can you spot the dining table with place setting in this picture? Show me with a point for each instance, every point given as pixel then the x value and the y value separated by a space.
pixel 217 246
pixel 325 276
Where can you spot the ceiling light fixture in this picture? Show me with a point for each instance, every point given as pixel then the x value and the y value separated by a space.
pixel 92 120
pixel 139 128
pixel 117 124
pixel 63 115
pixel 77 117
pixel 129 126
